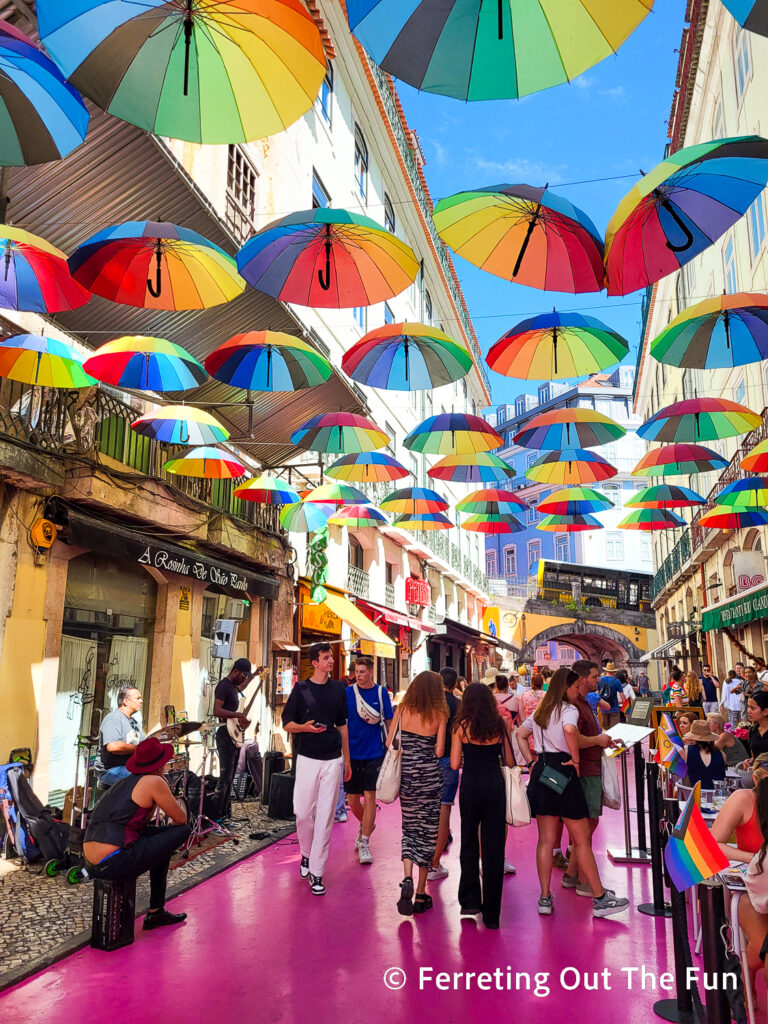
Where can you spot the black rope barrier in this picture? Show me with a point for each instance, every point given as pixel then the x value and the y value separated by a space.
pixel 659 907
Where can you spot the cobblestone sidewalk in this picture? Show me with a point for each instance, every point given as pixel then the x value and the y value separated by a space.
pixel 41 918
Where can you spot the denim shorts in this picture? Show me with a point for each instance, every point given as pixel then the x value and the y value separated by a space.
pixel 450 781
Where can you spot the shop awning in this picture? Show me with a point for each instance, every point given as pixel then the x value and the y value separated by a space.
pixel 283 645
pixel 665 650
pixel 463 634
pixel 374 640
pixel 397 618
pixel 749 606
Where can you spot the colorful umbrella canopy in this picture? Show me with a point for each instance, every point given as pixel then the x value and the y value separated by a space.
pixel 367 468
pixel 42 117
pixel 424 521
pixel 680 208
pixel 339 432
pixel 556 345
pixel 227 71
pixel 568 524
pixel 145 364
pixel 267 490
pixel 208 463
pixel 750 14
pixel 480 52
pixel 524 234
pixel 327 258
pixel 414 499
pixel 651 519
pixel 699 419
pixel 491 501
pixel 574 501
pixel 564 428
pixel 268 361
pixel 492 525
pixel 32 359
pixel 358 517
pixel 34 276
pixel 665 496
pixel 757 460
pixel 156 265
pixel 406 357
pixel 477 468
pixel 337 494
pixel 305 517
pixel 453 433
pixel 750 492
pixel 570 466
pixel 733 519
pixel 729 330
pixel 181 424
pixel 679 460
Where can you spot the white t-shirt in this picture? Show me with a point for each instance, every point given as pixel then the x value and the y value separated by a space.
pixel 757 885
pixel 552 739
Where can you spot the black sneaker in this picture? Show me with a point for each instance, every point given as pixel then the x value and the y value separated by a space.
pixel 160 918
pixel 304 867
pixel 316 885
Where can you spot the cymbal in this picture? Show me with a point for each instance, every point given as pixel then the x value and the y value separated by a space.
pixel 175 731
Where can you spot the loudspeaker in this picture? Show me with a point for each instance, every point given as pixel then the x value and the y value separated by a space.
pixel 281 795
pixel 274 761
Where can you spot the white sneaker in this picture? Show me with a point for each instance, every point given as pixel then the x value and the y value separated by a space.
pixel 509 869
pixel 364 852
pixel 436 873
pixel 358 838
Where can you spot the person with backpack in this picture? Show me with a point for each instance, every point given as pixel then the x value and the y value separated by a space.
pixel 507 700
pixel 610 690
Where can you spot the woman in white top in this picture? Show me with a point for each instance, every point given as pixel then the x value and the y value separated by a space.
pixel 554 729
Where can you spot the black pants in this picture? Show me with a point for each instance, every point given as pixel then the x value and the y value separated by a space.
pixel 151 852
pixel 482 802
pixel 228 755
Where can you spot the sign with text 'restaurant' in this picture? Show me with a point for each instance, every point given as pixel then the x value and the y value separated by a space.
pixel 418 592
pixel 750 607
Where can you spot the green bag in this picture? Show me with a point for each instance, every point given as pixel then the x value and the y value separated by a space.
pixel 554 779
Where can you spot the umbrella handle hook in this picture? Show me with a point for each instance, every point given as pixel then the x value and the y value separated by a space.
pixel 687 234
pixel 155 288
pixel 325 279
pixel 527 238
pixel 187 44
pixel 7 258
pixel 501 19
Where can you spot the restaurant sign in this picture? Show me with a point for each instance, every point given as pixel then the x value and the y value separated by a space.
pixel 418 592
pixel 747 608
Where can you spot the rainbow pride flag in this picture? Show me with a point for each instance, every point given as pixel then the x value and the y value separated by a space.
pixel 691 853
pixel 670 749
pixel 627 697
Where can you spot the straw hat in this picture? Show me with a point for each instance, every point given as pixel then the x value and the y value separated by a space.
pixel 609 666
pixel 700 733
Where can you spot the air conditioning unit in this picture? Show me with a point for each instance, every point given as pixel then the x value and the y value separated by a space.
pixel 234 608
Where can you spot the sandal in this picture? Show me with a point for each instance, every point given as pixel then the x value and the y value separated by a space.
pixel 422 903
pixel 405 903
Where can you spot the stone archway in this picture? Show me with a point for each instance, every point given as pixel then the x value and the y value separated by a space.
pixel 591 639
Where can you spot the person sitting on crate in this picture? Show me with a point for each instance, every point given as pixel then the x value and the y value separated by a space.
pixel 120 734
pixel 118 841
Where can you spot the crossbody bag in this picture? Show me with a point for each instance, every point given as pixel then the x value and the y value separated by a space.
pixel 552 777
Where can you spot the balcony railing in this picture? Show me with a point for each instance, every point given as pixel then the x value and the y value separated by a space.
pixel 389 595
pixel 455 557
pixel 358 582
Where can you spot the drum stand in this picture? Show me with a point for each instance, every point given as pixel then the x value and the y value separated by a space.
pixel 201 824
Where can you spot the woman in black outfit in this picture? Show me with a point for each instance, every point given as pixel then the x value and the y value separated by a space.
pixel 480 736
pixel 757 712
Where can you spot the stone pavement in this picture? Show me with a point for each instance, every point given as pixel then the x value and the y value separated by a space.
pixel 42 919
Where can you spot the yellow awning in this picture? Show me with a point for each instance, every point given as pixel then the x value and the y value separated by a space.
pixel 374 640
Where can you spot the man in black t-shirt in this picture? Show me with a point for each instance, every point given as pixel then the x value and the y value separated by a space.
pixel 316 713
pixel 226 704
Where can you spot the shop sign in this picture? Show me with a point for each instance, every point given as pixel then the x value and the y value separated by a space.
pixel 748 568
pixel 184 597
pixel 320 618
pixel 171 561
pixel 418 592
pixel 748 608
pixel 491 620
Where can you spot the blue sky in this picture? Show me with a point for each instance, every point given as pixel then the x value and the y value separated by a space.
pixel 610 121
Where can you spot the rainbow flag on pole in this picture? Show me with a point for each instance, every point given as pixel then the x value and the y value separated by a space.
pixel 670 749
pixel 627 696
pixel 691 853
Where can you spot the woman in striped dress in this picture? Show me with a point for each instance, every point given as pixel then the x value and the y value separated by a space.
pixel 422 714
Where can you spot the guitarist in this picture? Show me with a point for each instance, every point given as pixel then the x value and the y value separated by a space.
pixel 226 704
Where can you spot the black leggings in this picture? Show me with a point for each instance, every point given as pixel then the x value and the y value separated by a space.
pixel 482 802
pixel 151 852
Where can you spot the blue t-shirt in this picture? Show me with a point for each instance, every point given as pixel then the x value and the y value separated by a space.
pixel 709 686
pixel 593 699
pixel 615 687
pixel 365 740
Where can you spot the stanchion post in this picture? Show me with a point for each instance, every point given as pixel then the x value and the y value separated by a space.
pixel 680 1009
pixel 712 912
pixel 659 908
pixel 628 855
pixel 637 753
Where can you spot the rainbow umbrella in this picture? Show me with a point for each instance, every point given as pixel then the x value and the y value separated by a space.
pixel 492 525
pixel 665 496
pixel 156 265
pixel 651 519
pixel 750 492
pixel 42 117
pixel 570 466
pixel 452 433
pixel 424 521
pixel 367 467
pixel 267 490
pixel 699 419
pixel 680 208
pixel 208 463
pixel 207 71
pixel 305 517
pixel 339 432
pixel 733 519
pixel 491 501
pixel 478 468
pixel 679 460
pixel 337 494
pixel 34 276
pixel 750 14
pixel 414 499
pixel 729 330
pixel 145 364
pixel 757 460
pixel 32 359
pixel 556 345
pixel 327 258
pixel 268 361
pixel 524 234
pixel 562 428
pixel 181 424
pixel 568 524
pixel 574 501
pixel 358 517
pixel 406 357
pixel 475 51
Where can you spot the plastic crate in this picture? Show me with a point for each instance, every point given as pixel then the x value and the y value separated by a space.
pixel 114 910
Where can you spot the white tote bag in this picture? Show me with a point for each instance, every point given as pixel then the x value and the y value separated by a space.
pixel 610 774
pixel 388 782
pixel 518 808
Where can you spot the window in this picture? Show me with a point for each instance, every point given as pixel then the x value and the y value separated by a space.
pixel 361 163
pixel 718 124
pixel 355 552
pixel 490 564
pixel 562 549
pixel 389 316
pixel 604 405
pixel 320 195
pixel 242 191
pixel 741 392
pixel 510 560
pixel 645 550
pixel 534 554
pixel 427 307
pixel 613 494
pixel 532 515
pixel 391 433
pixel 324 102
pixel 543 393
pixel 742 60
pixel 389 214
pixel 614 547
pixel 360 314
pixel 729 260
pixel 756 227
pixel 531 458
pixel 519 406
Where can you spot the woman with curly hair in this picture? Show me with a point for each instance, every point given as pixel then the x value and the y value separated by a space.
pixel 422 715
pixel 482 739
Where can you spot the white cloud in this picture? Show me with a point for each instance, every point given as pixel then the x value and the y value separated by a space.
pixel 532 172
pixel 618 93
pixel 583 82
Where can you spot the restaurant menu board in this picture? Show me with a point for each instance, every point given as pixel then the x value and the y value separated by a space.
pixel 640 713
pixel 625 735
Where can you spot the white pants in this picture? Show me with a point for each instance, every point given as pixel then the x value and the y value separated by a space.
pixel 314 801
pixel 710 706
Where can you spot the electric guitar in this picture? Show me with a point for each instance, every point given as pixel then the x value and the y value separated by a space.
pixel 235 730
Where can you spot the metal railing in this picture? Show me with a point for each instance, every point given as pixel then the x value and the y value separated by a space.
pixel 389 595
pixel 455 557
pixel 358 582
